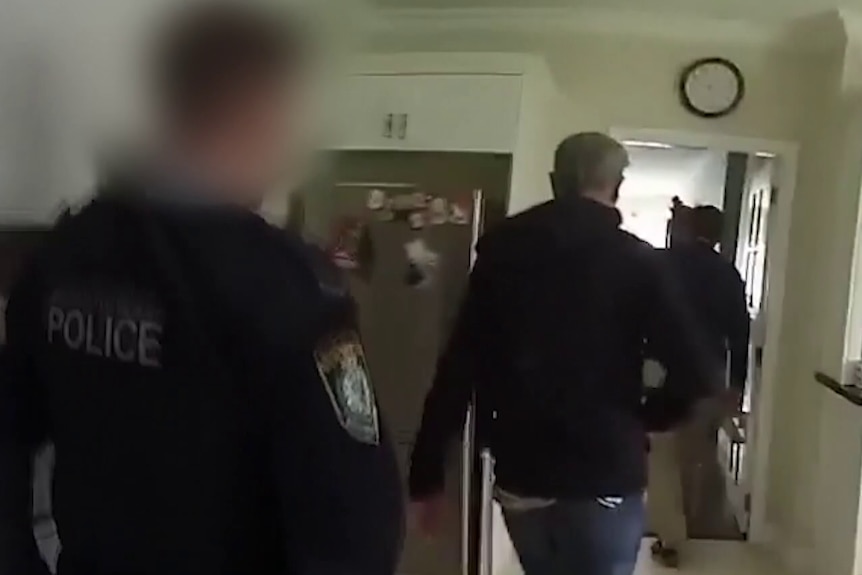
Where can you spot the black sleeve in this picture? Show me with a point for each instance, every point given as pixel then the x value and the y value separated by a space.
pixel 739 333
pixel 676 340
pixel 329 462
pixel 22 431
pixel 337 480
pixel 451 392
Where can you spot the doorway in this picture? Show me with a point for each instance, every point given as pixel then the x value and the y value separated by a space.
pixel 761 174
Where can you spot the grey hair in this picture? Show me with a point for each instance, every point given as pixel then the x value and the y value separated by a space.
pixel 589 161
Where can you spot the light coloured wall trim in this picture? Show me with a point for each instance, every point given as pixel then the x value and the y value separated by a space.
pixel 808 33
pixel 779 240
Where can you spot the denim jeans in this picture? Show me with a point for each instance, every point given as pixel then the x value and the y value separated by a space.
pixel 579 537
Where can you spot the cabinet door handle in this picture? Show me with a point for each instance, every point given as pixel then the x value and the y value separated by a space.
pixel 388 124
pixel 402 129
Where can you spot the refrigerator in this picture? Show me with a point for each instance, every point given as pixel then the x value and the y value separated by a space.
pixel 405 313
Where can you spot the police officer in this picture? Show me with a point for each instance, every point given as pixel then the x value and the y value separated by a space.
pixel 200 374
pixel 551 337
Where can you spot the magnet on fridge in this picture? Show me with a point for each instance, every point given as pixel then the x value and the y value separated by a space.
pixel 419 200
pixel 438 211
pixel 376 200
pixel 459 213
pixel 385 214
pixel 345 243
pixel 416 220
pixel 422 264
pixel 402 203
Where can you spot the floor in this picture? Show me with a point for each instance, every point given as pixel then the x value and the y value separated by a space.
pixel 711 517
pixel 715 558
pixel 702 558
pixel 707 509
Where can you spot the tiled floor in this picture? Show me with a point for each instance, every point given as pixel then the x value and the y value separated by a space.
pixel 715 558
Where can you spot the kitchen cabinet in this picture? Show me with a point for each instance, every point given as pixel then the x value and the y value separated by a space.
pixel 451 112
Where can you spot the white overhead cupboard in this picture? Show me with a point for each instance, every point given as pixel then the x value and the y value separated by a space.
pixel 465 113
pixel 490 103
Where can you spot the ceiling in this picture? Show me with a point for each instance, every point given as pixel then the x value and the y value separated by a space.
pixel 731 9
pixel 796 24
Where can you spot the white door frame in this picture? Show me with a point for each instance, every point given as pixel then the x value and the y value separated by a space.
pixel 786 154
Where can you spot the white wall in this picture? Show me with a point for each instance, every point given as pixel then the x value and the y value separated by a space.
pixel 655 176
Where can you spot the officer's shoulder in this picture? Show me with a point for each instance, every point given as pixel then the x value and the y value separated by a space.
pixel 304 260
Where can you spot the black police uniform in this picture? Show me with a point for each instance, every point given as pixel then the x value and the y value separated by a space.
pixel 201 377
pixel 552 336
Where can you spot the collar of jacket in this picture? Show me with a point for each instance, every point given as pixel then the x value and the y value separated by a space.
pixel 593 210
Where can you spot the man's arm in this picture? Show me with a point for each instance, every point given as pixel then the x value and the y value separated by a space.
pixel 22 431
pixel 452 390
pixel 677 341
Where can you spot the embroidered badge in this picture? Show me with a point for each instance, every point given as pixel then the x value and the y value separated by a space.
pixel 344 372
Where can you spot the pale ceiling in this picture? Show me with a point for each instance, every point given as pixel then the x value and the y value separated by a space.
pixel 770 10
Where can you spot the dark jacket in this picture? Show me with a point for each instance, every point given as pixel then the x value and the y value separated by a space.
pixel 717 295
pixel 200 376
pixel 551 337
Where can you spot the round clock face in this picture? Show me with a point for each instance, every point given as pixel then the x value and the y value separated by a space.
pixel 711 87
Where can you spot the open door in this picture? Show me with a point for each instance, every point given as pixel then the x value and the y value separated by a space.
pixel 751 260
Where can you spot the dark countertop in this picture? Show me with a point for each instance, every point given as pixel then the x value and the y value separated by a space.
pixel 848 392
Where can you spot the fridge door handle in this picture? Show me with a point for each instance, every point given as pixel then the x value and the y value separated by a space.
pixel 467 447
pixel 486 529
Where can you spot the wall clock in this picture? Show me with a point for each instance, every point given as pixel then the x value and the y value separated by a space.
pixel 711 87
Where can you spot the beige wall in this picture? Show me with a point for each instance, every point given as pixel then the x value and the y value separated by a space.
pixel 628 82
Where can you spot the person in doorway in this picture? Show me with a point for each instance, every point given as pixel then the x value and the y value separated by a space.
pixel 551 340
pixel 684 459
pixel 199 372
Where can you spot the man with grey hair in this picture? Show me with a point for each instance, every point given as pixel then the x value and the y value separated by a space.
pixel 551 340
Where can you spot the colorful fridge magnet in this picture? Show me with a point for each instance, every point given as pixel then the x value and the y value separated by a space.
pixel 422 264
pixel 419 200
pixel 416 220
pixel 376 200
pixel 459 213
pixel 438 211
pixel 345 244
pixel 386 214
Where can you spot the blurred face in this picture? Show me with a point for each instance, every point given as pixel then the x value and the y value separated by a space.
pixel 252 138
pixel 244 146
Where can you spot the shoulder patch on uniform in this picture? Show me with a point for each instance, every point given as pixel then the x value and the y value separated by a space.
pixel 341 362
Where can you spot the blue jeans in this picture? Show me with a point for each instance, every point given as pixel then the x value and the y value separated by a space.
pixel 580 537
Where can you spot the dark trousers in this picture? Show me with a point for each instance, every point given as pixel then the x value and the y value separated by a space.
pixel 589 537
